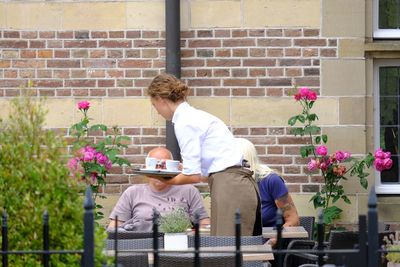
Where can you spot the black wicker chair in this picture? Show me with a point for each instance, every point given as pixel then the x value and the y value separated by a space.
pixel 206 260
pixel 337 240
pixel 131 235
pixel 308 223
pixel 218 241
pixel 133 259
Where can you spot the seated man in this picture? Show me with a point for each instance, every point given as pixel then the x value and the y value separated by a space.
pixel 135 206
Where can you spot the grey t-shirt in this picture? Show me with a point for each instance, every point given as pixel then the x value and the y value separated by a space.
pixel 135 206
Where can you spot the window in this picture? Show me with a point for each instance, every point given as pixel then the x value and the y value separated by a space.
pixel 386 19
pixel 387 126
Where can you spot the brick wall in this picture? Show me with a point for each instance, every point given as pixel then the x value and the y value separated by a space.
pixel 219 63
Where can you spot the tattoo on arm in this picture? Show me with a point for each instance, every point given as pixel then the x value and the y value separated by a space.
pixel 286 204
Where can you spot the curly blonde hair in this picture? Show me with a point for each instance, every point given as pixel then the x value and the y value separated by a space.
pixel 260 171
pixel 169 87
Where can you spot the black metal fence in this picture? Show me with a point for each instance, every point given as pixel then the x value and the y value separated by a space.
pixel 367 252
pixel 87 253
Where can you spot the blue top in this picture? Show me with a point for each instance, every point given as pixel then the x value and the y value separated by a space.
pixel 271 188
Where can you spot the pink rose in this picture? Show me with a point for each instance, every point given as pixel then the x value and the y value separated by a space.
pixel 75 167
pixel 108 165
pixel 297 97
pixel 90 149
pixel 323 166
pixel 73 164
pixel 379 154
pixel 93 176
pixel 342 155
pixel 304 91
pixel 85 105
pixel 312 165
pixel 312 96
pixel 387 155
pixel 381 164
pixel 322 150
pixel 387 163
pixel 88 156
pixel 101 158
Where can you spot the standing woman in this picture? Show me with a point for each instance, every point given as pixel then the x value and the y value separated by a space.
pixel 208 155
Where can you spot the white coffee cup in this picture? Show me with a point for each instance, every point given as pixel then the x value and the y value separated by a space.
pixel 172 165
pixel 151 163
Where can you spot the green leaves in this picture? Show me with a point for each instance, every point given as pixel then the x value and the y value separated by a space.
pixel 333 167
pixel 331 213
pixel 33 178
pixel 96 149
pixel 305 151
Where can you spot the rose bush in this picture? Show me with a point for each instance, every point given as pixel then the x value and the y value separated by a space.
pixel 92 159
pixel 334 167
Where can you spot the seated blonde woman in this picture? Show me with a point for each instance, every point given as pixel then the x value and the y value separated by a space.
pixel 273 191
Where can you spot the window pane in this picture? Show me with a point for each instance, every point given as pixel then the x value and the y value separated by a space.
pixel 389 81
pixel 389 111
pixel 389 13
pixel 389 102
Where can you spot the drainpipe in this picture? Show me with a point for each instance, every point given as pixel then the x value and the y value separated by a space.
pixel 173 62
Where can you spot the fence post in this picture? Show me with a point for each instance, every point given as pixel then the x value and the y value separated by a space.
pixel 88 237
pixel 46 241
pixel 116 242
pixel 155 237
pixel 362 232
pixel 196 240
pixel 238 257
pixel 373 259
pixel 320 235
pixel 4 239
pixel 279 223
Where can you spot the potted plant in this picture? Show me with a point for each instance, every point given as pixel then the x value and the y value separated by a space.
pixel 174 226
pixel 393 257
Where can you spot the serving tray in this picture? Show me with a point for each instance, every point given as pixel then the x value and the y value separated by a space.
pixel 157 172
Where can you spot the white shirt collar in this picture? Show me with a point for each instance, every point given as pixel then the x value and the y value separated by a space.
pixel 179 110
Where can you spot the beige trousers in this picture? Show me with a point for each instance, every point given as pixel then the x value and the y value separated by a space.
pixel 232 189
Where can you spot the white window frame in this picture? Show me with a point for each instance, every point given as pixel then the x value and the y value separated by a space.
pixel 381 188
pixel 382 33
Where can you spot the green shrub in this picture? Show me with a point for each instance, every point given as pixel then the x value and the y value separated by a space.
pixel 176 221
pixel 33 179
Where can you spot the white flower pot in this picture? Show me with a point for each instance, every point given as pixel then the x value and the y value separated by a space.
pixel 393 264
pixel 175 241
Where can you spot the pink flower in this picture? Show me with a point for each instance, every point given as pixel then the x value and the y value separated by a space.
pixel 297 97
pixel 93 176
pixel 304 91
pixel 387 163
pixel 322 150
pixel 75 167
pixel 73 164
pixel 90 149
pixel 379 154
pixel 387 155
pixel 323 166
pixel 378 164
pixel 383 164
pixel 108 165
pixel 85 105
pixel 101 158
pixel 88 156
pixel 312 96
pixel 312 165
pixel 342 155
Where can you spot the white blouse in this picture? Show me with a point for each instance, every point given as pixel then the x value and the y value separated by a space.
pixel 205 141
